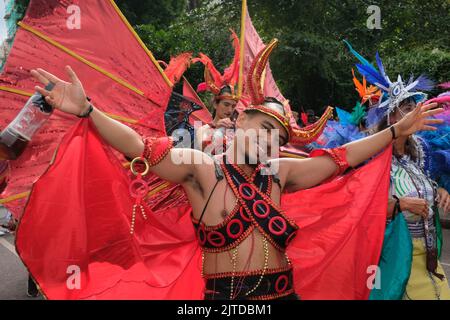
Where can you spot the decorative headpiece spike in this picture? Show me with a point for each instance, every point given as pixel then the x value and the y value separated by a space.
pixel 214 80
pixel 255 87
pixel 309 134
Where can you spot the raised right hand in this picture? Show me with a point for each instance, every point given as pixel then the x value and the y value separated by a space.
pixel 414 205
pixel 68 97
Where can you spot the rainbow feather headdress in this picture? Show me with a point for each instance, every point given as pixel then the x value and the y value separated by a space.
pixel 394 92
pixel 369 94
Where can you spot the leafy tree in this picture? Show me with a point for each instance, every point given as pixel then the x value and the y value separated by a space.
pixel 312 65
pixel 155 12
pixel 196 31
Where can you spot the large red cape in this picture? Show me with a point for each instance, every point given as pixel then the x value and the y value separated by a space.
pixel 78 219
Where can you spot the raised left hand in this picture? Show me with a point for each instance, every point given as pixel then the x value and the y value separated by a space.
pixel 418 120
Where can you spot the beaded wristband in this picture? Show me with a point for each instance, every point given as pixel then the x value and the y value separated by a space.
pixel 156 149
pixel 394 136
pixel 338 155
pixel 89 111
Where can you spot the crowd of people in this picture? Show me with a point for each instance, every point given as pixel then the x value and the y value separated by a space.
pixel 245 224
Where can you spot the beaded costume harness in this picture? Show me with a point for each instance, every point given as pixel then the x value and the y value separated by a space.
pixel 255 209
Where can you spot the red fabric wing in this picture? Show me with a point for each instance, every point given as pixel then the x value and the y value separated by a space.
pixel 202 115
pixel 78 216
pixel 80 210
pixel 104 40
pixel 341 232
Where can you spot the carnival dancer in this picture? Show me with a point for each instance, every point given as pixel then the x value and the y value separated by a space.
pixel 418 197
pixel 243 245
pixel 413 193
pixel 224 101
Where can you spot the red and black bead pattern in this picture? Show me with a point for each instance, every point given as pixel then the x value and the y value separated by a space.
pixel 275 284
pixel 238 225
pixel 257 206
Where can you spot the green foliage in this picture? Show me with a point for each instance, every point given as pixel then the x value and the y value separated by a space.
pixel 155 12
pixel 312 66
pixel 198 30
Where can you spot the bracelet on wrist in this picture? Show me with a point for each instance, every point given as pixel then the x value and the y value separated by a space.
pixel 88 111
pixel 397 208
pixel 394 134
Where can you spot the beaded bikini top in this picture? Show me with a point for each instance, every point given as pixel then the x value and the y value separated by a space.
pixel 254 209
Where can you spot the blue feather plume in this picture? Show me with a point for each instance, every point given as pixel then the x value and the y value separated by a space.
pixel 424 84
pixel 357 55
pixel 344 116
pixel 374 116
pixel 381 68
pixel 368 70
pixel 372 75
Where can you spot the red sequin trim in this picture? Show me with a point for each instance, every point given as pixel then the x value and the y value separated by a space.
pixel 272 296
pixel 233 245
pixel 241 274
pixel 283 227
pixel 216 239
pixel 247 186
pixel 241 228
pixel 338 155
pixel 265 197
pixel 290 238
pixel 257 212
pixel 284 278
pixel 244 215
pixel 156 149
pixel 201 230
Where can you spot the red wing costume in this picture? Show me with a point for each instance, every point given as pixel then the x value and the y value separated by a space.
pixel 118 73
pixel 74 236
pixel 79 214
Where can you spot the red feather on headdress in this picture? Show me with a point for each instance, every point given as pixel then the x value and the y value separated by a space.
pixel 214 80
pixel 178 66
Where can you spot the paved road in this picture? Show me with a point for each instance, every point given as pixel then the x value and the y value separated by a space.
pixel 13 275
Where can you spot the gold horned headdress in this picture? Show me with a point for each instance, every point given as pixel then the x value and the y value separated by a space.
pixel 255 89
